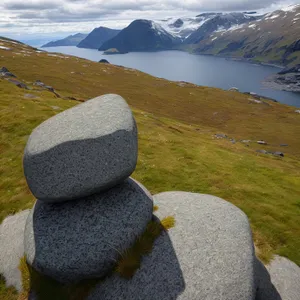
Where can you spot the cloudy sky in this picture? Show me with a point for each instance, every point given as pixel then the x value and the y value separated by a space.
pixel 25 19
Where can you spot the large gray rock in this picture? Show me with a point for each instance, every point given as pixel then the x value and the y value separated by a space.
pixel 80 239
pixel 280 280
pixel 208 255
pixel 82 151
pixel 12 248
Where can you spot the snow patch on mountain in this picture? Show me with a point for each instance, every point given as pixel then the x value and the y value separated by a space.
pixel 183 27
pixel 291 7
pixel 157 28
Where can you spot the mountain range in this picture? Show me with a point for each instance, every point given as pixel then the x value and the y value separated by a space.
pixel 269 38
pixel 273 38
pixel 71 40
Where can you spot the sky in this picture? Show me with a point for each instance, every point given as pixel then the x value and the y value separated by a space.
pixel 50 19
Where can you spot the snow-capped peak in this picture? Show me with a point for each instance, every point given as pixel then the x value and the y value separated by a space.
pixel 188 27
pixel 183 27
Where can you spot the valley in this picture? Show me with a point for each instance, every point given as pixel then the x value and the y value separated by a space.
pixel 271 38
pixel 204 70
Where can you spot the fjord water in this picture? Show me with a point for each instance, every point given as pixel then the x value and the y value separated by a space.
pixel 198 69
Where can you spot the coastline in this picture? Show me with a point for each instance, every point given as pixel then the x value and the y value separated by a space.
pixel 260 91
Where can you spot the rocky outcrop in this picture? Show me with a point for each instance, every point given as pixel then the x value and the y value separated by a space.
pixel 18 83
pixel 286 80
pixel 294 69
pixel 4 72
pixel 177 24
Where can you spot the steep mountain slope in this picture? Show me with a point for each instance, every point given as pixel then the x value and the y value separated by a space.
pixel 216 23
pixel 97 37
pixel 142 35
pixel 275 38
pixel 71 40
pixel 192 30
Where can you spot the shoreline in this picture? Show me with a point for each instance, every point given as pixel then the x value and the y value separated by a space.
pixel 270 96
pixel 240 59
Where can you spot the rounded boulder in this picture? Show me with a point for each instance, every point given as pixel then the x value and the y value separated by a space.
pixel 82 151
pixel 208 254
pixel 12 248
pixel 81 239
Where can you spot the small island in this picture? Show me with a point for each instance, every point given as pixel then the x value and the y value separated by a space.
pixel 104 61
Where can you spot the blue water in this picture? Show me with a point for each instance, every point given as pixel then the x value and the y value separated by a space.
pixel 198 69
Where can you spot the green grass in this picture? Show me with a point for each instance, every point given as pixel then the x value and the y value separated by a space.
pixel 7 293
pixel 177 148
pixel 130 260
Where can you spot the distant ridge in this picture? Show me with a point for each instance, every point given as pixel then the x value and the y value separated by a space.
pixel 71 40
pixel 97 37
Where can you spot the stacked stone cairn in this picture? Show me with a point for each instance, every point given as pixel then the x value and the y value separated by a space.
pixel 89 211
pixel 77 164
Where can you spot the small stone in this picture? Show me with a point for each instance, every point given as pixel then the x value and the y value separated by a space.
pixel 233 89
pixel 81 239
pixel 5 48
pixel 262 151
pixel 284 145
pixel 12 248
pixel 82 151
pixel 209 254
pixel 278 153
pixel 55 107
pixel 246 141
pixel 221 136
pixel 30 96
pixel 18 83
pixel 255 101
pixel 262 142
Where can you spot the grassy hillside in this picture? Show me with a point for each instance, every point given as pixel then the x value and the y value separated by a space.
pixel 178 150
pixel 270 40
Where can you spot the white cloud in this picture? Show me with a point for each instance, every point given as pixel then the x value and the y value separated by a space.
pixel 56 17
